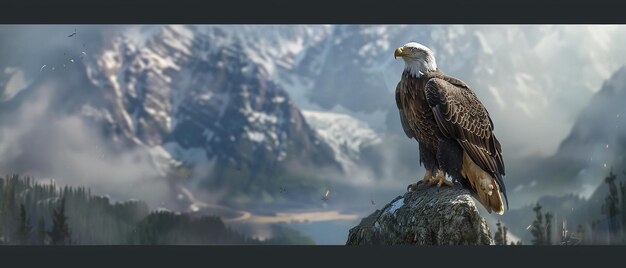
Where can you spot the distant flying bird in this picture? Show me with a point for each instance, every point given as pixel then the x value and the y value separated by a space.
pixel 325 197
pixel 282 190
pixel 452 127
pixel 44 66
pixel 373 204
pixel 74 33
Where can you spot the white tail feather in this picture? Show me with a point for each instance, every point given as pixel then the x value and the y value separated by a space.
pixel 487 190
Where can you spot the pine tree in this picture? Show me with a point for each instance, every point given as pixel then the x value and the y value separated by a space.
pixel 41 232
pixel 504 232
pixel 593 236
pixel 610 207
pixel 24 227
pixel 2 195
pixel 548 229
pixel 622 188
pixel 9 215
pixel 541 230
pixel 499 237
pixel 580 232
pixel 537 227
pixel 60 233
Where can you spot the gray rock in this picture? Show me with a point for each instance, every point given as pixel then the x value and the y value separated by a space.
pixel 429 216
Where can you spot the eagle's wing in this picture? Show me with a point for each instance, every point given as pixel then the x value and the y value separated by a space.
pixel 405 124
pixel 461 116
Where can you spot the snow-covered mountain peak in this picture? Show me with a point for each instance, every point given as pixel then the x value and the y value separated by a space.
pixel 189 89
pixel 346 135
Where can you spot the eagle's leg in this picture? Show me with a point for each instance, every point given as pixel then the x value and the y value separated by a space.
pixel 427 178
pixel 440 179
pixel 429 159
pixel 449 157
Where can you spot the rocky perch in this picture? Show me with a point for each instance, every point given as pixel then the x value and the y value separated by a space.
pixel 429 216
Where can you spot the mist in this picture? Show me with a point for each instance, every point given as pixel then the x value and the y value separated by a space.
pixel 36 141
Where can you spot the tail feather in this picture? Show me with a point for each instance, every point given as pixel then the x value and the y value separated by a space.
pixel 484 185
pixel 503 190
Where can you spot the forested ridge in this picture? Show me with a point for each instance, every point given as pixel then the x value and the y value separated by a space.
pixel 33 213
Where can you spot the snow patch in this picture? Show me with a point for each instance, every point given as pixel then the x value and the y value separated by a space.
pixel 188 156
pixel 256 136
pixel 396 205
pixel 278 99
pixel 345 134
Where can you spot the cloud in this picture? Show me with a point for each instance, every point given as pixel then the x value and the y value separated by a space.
pixel 36 140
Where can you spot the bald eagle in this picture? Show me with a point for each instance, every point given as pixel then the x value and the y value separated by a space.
pixel 452 127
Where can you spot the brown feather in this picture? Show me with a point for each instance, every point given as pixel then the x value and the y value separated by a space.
pixel 469 119
pixel 435 106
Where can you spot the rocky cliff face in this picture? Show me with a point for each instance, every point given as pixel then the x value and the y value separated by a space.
pixel 429 216
pixel 189 90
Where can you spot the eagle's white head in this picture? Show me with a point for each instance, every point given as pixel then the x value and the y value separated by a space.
pixel 418 58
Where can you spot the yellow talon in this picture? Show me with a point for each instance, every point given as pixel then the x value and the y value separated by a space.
pixel 426 180
pixel 441 180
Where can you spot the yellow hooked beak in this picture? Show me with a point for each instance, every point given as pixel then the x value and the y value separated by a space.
pixel 397 53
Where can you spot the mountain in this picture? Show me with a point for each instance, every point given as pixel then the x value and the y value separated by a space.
pixel 570 184
pixel 520 73
pixel 188 90
pixel 186 97
pixel 594 146
pixel 346 135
